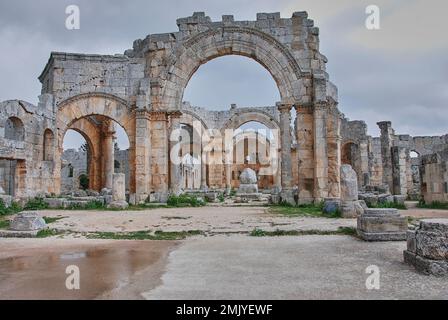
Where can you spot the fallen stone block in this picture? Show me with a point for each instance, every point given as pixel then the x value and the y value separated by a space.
pixel 427 247
pixel 27 221
pixel 382 225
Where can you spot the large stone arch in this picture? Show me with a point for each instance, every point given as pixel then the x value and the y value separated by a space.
pixel 96 104
pixel 244 41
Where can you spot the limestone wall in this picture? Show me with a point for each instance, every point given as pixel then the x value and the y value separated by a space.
pixel 434 177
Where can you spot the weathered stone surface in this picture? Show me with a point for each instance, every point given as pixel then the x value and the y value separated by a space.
pixel 399 199
pixel 382 225
pixel 7 200
pixel 2 191
pixel 427 247
pixel 27 221
pixel 248 176
pixel 118 192
pixel 331 205
pixel 349 183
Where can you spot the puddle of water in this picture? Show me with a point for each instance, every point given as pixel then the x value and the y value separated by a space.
pixel 42 275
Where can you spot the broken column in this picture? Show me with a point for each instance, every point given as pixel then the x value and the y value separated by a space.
pixel 427 247
pixel 399 161
pixel 349 191
pixel 382 225
pixel 387 134
pixel 118 192
pixel 27 221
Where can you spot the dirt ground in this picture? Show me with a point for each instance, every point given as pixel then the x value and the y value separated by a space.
pixel 225 264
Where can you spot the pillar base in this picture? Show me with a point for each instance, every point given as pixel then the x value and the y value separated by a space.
pixel 287 196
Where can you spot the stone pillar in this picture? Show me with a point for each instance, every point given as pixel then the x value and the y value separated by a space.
pixel 320 152
pixel 286 169
pixel 142 155
pixel 387 134
pixel 305 152
pixel 108 153
pixel 399 162
pixel 334 151
pixel 175 172
pixel 349 191
pixel 159 155
pixel 118 192
pixel 204 160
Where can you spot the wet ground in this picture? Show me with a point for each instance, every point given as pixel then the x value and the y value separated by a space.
pixel 222 265
pixel 36 269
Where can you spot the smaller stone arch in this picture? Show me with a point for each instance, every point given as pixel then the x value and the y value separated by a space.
pixel 242 117
pixel 14 129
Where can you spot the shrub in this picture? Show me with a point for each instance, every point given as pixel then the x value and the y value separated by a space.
pixel 36 204
pixel 13 208
pixel 184 200
pixel 433 205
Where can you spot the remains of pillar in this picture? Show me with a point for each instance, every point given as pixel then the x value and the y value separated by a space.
pixel 349 192
pixel 248 188
pixel 386 138
pixel 204 160
pixel 427 247
pixel 287 194
pixel 382 225
pixel 118 192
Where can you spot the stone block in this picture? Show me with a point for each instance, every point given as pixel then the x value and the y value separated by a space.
pixel 382 225
pixel 331 205
pixel 426 266
pixel 55 203
pixel 399 199
pixel 349 183
pixel 27 221
pixel 7 200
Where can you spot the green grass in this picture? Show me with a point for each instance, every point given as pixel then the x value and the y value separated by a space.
pixel 4 224
pixel 12 209
pixel 36 204
pixel 308 210
pixel 45 233
pixel 393 205
pixel 277 233
pixel 144 235
pixel 433 205
pixel 184 200
pixel 49 220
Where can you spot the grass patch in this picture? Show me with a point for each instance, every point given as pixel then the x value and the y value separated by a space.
pixel 4 224
pixel 12 209
pixel 36 204
pixel 184 200
pixel 391 205
pixel 52 219
pixel 144 235
pixel 349 231
pixel 91 205
pixel 45 233
pixel 305 210
pixel 433 205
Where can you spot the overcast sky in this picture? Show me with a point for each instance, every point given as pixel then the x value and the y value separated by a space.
pixel 398 73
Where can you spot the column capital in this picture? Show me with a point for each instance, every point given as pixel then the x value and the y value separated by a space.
pixel 283 107
pixel 142 114
pixel 304 108
pixel 159 116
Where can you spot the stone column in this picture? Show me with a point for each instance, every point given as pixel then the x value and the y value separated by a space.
pixel 108 153
pixel 204 160
pixel 159 155
pixel 320 152
pixel 175 172
pixel 118 192
pixel 305 152
pixel 387 134
pixel 334 151
pixel 285 135
pixel 399 171
pixel 142 155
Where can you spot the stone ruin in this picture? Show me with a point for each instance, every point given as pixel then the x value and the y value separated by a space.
pixel 142 91
pixel 384 224
pixel 427 247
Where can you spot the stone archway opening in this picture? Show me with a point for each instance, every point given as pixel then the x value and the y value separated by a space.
pixel 252 148
pixel 92 148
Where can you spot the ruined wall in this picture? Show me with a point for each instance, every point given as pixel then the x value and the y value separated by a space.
pixel 434 177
